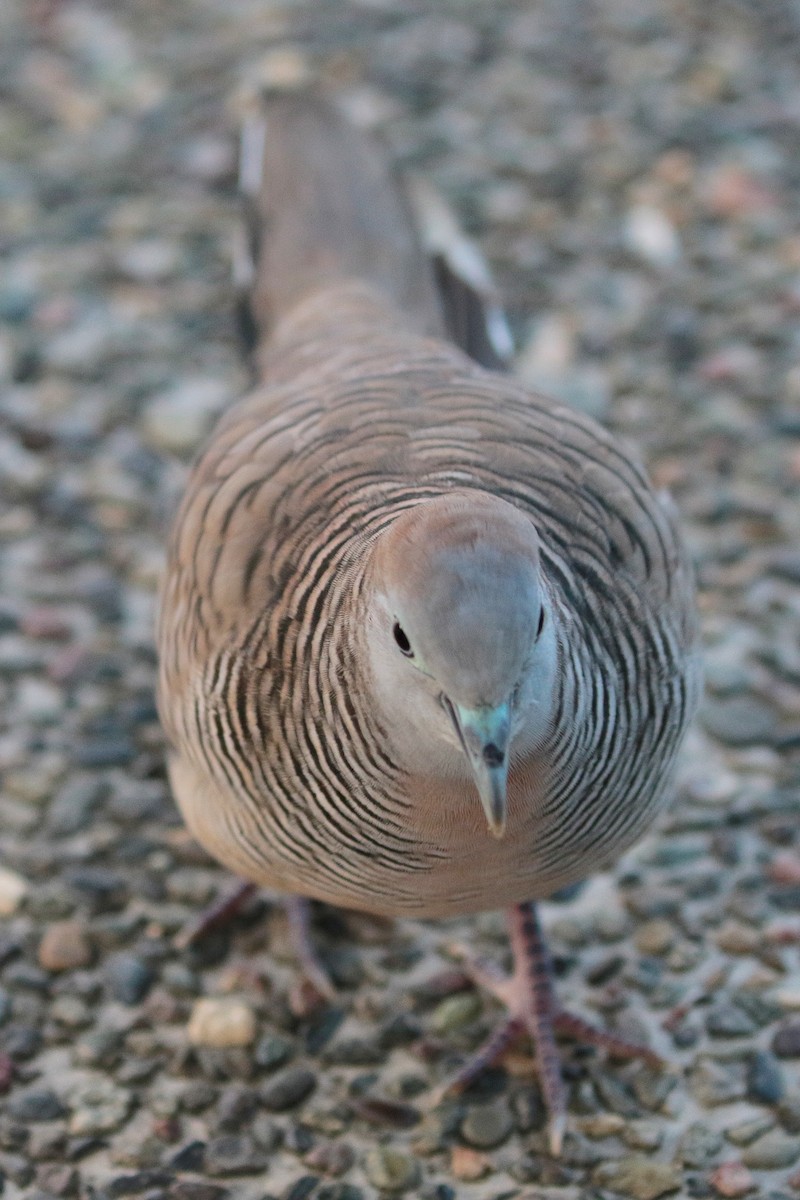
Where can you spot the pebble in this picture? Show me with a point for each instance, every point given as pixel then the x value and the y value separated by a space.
pixel 639 1177
pixel 715 1083
pixel 35 1104
pixel 391 1170
pixel 732 1179
pixel 487 1125
pixel 176 421
pixel 100 1107
pixel 467 1165
pixel 455 1012
pixel 747 1132
pixel 234 1154
pixel 699 1144
pixel 786 1040
pixel 775 1149
pixel 13 888
pixel 728 1021
pixel 65 946
pixel 655 937
pixel 221 1022
pixel 288 1088
pixel 128 978
pixel 765 1081
pixel 739 721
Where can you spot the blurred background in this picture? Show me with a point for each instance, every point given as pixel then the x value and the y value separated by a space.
pixel 631 170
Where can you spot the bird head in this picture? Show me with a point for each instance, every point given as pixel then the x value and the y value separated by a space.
pixel 462 643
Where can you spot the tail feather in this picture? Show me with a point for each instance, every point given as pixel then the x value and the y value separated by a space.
pixel 322 206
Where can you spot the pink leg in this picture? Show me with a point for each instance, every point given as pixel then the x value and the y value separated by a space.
pixel 223 910
pixel 529 996
pixel 298 912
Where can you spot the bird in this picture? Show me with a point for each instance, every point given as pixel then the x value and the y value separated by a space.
pixel 427 640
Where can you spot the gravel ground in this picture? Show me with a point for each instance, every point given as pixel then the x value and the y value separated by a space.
pixel 631 170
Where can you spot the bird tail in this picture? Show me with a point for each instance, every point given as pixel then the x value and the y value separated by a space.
pixel 322 206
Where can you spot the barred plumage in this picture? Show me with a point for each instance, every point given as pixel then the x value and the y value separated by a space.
pixel 301 754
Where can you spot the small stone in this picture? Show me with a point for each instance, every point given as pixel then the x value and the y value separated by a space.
pixel 391 1170
pixel 288 1088
pixel 735 938
pixel 773 1150
pixel 128 978
pixel 188 1189
pixel 728 1020
pixel 786 1040
pixel 177 420
pixel 221 1022
pixel 468 1165
pixel 639 1177
pixel 739 721
pixel 273 1051
pixel 732 1179
pixel 698 1145
pixel 655 937
pixel 765 1082
pixel 643 1135
pixel 234 1154
pixel 99 1108
pixel 602 1126
pixel 652 236
pixel 747 1132
pixel 713 1082
pixel 331 1158
pixel 455 1012
pixel 55 1179
pixel 35 1104
pixel 487 1125
pixel 12 891
pixel 65 946
pixel 789 1112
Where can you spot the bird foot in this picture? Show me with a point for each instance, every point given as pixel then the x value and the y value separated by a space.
pixel 315 985
pixel 532 1008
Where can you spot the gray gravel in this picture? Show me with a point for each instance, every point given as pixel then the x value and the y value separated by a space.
pixel 630 169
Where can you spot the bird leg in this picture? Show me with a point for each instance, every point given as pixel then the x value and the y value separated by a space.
pixel 223 910
pixel 298 913
pixel 530 998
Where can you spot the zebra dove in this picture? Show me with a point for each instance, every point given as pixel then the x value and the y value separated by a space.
pixel 427 639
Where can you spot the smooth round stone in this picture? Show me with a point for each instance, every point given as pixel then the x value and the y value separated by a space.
pixel 739 721
pixel 234 1154
pixel 35 1104
pixel 765 1082
pixel 728 1021
pixel 772 1151
pixel 288 1088
pixel 455 1012
pixel 655 937
pixel 65 946
pixel 12 891
pixel 100 1108
pixel 786 1040
pixel 732 1179
pixel 221 1022
pixel 391 1170
pixel 699 1145
pixel 128 978
pixel 639 1177
pixel 487 1125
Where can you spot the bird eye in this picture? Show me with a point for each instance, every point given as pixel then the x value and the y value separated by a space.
pixel 540 626
pixel 402 640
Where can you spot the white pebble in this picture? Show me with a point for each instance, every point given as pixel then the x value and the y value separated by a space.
pixel 177 420
pixel 221 1022
pixel 651 235
pixel 12 891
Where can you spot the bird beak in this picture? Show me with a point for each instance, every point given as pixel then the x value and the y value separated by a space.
pixel 485 734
